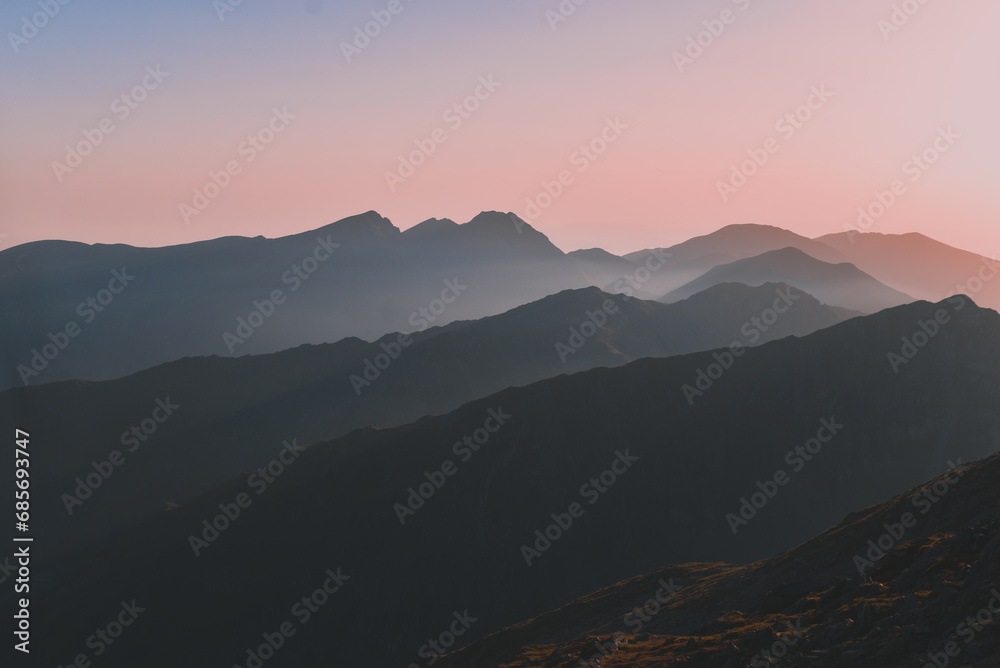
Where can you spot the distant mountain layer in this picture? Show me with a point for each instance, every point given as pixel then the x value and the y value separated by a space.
pixel 95 312
pixel 909 263
pixel 930 596
pixel 518 503
pixel 234 414
pixel 920 266
pixel 738 242
pixel 692 258
pixel 841 285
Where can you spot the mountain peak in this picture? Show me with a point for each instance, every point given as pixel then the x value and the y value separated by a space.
pixel 748 239
pixel 365 225
pixel 493 219
pixel 508 228
pixel 789 253
pixel 751 227
pixel 432 227
pixel 837 284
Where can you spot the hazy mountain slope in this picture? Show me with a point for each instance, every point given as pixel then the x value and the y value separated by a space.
pixel 357 277
pixel 234 414
pixel 841 285
pixel 808 607
pixel 692 258
pixel 689 465
pixel 919 266
pixel 608 271
pixel 743 241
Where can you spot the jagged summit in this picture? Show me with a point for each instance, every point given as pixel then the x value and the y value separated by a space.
pixel 368 224
pixel 431 227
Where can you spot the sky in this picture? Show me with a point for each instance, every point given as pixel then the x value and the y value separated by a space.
pixel 621 125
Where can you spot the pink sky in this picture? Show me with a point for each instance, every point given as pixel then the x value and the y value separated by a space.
pixel 654 186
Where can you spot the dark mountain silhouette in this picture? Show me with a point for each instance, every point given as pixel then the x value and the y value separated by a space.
pixel 841 285
pixel 182 301
pixel 234 414
pixel 679 464
pixel 807 607
pixel 920 266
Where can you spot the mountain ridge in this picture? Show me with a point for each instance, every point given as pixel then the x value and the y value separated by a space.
pixel 894 429
pixel 840 284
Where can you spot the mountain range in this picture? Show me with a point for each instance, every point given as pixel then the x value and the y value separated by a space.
pixel 841 285
pixel 459 445
pixel 233 415
pixel 632 469
pixel 929 598
pixel 95 312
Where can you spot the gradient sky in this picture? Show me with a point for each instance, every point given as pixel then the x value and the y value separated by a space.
pixel 654 186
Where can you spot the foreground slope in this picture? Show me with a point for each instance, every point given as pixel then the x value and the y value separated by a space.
pixel 431 530
pixel 930 595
